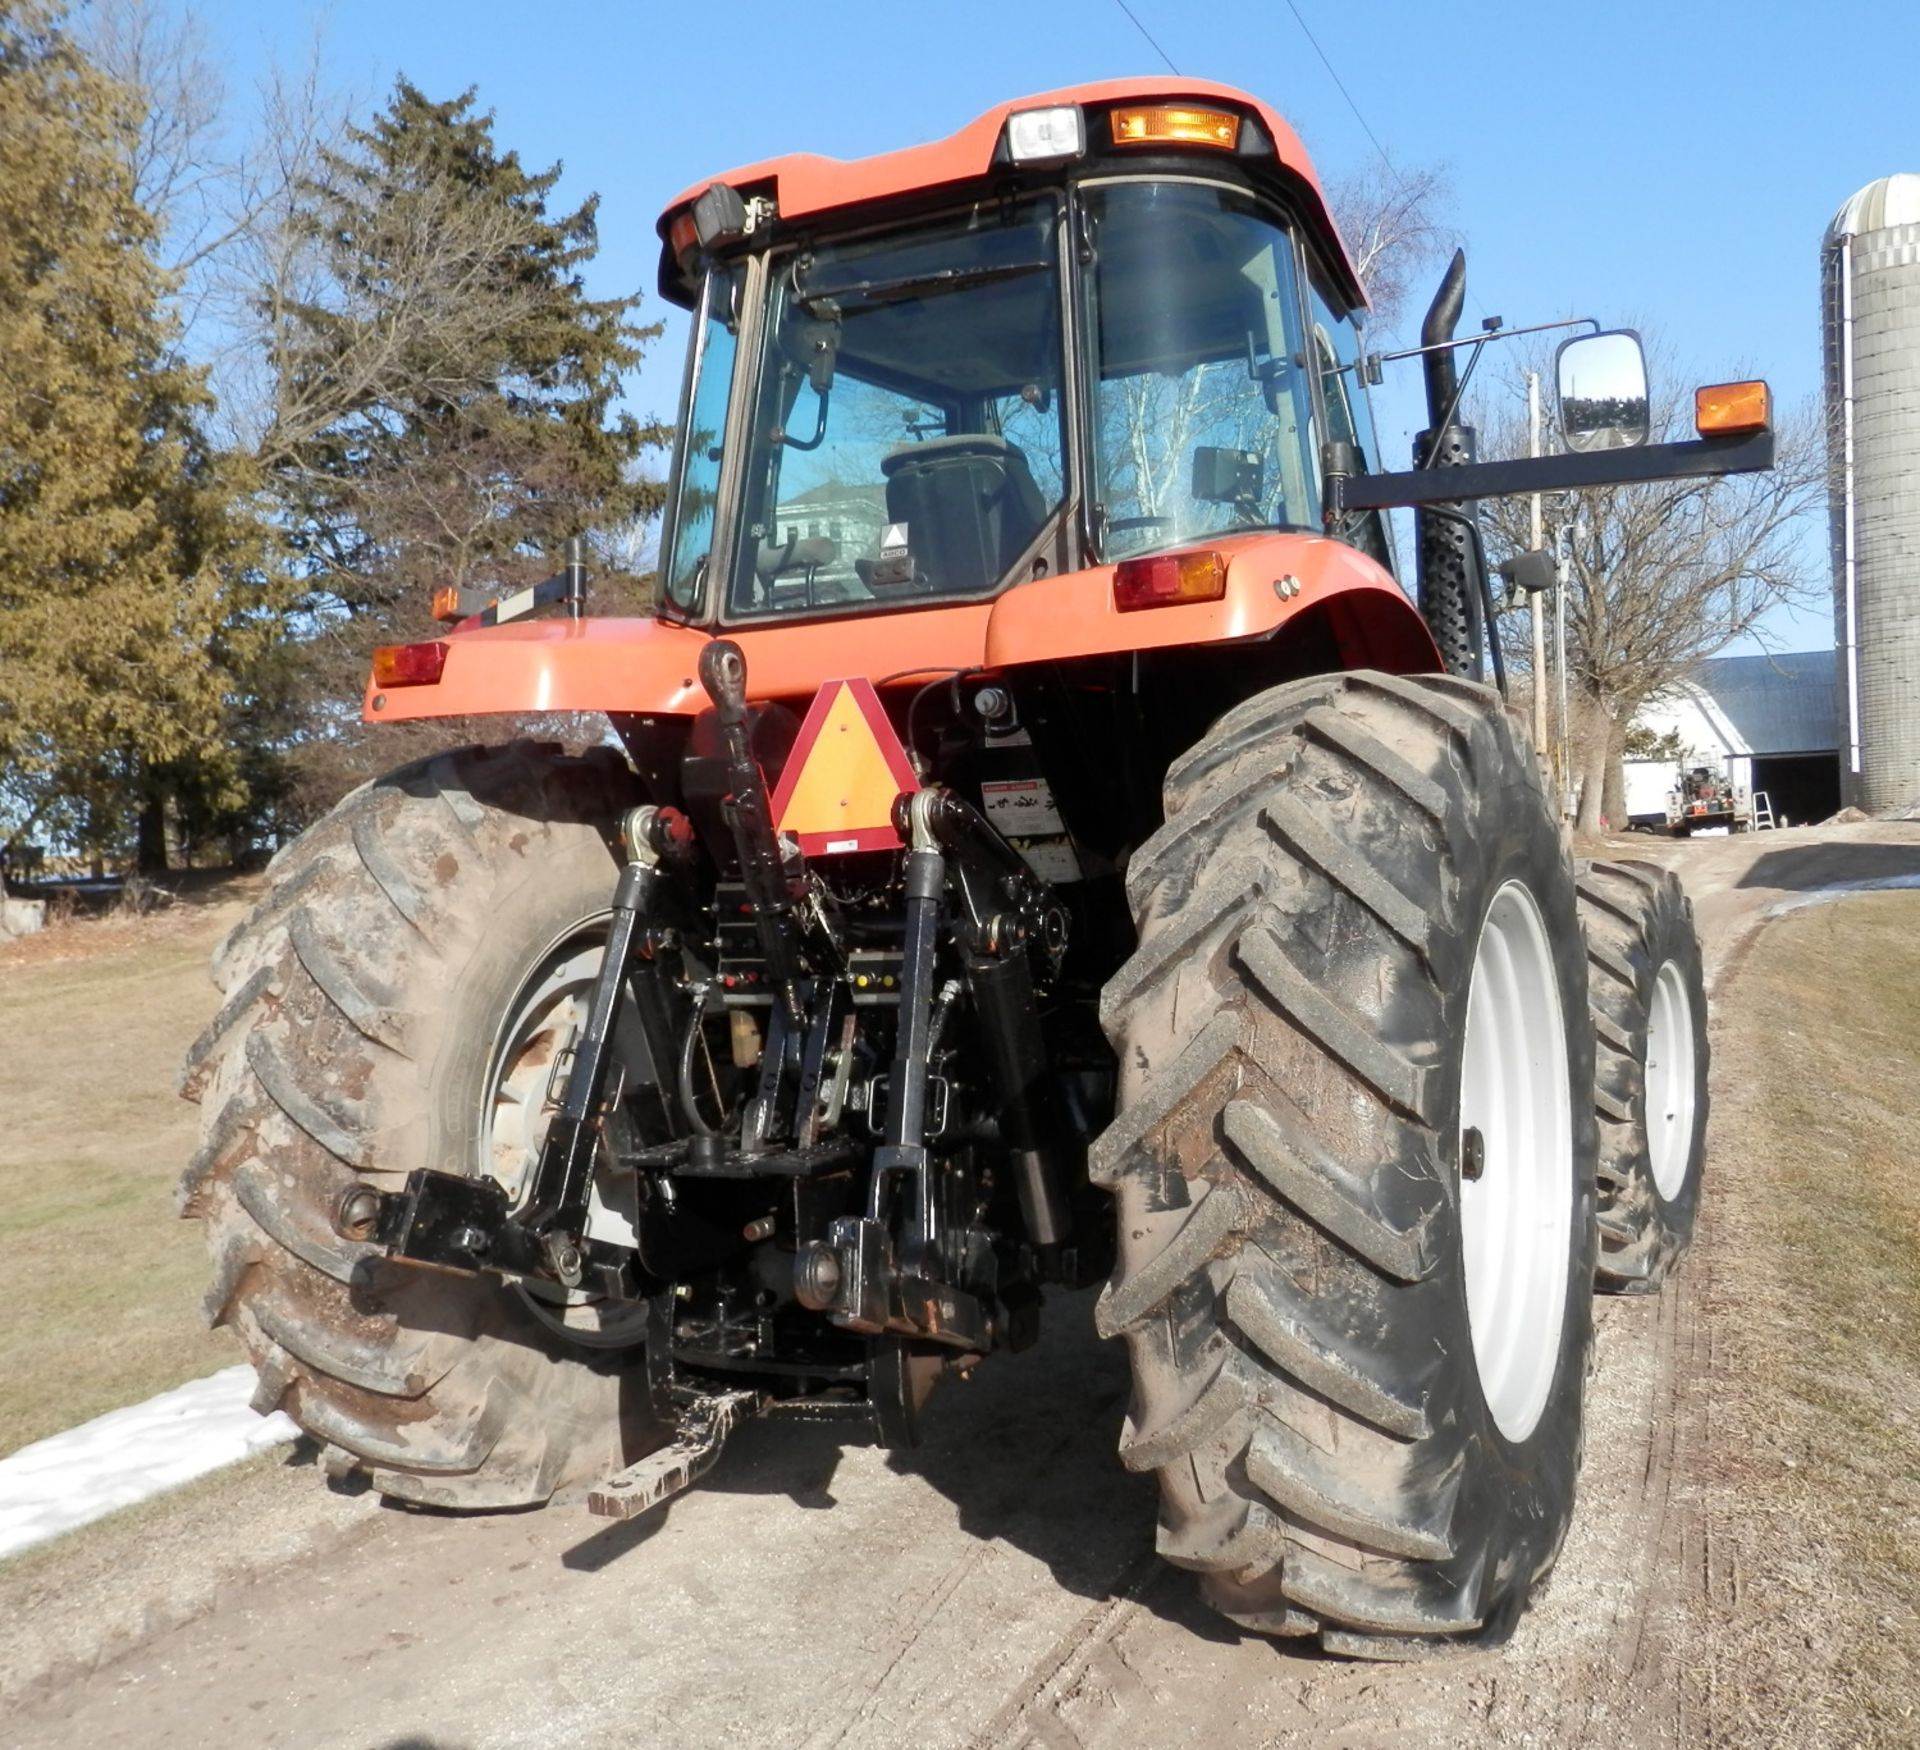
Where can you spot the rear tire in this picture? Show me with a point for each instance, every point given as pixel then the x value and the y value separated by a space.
pixel 364 999
pixel 1341 1451
pixel 1649 995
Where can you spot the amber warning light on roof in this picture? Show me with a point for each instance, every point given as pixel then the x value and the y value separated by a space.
pixel 845 773
pixel 1162 125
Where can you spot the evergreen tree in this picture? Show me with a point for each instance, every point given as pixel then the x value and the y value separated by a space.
pixel 112 514
pixel 445 388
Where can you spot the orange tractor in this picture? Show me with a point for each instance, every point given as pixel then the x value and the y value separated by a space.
pixel 1038 844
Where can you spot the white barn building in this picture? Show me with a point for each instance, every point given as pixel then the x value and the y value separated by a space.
pixel 1769 722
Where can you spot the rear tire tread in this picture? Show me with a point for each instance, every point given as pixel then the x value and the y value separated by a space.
pixel 305 1086
pixel 1297 1460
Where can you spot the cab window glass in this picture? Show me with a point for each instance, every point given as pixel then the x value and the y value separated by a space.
pixel 1338 360
pixel 703 428
pixel 1202 402
pixel 908 437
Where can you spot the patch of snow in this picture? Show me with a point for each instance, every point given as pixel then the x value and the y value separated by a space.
pixel 128 1455
pixel 1839 890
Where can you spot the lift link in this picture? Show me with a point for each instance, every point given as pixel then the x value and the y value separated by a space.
pixel 1009 915
pixel 462 1223
pixel 871 1290
pixel 763 871
pixel 1002 913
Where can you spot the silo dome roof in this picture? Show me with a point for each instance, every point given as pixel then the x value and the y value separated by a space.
pixel 1893 200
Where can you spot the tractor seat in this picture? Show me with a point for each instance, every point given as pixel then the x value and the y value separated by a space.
pixel 796 553
pixel 970 506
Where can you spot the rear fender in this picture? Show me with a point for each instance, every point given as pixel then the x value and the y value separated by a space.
pixel 1274 582
pixel 651 667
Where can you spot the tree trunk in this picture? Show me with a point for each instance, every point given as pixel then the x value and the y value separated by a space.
pixel 150 842
pixel 1592 734
pixel 1595 747
pixel 1613 795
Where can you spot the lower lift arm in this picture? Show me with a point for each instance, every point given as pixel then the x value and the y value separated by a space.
pixel 466 1223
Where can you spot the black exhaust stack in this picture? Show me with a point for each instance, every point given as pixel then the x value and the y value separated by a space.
pixel 1451 587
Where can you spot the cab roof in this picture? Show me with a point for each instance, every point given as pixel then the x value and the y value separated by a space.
pixel 805 184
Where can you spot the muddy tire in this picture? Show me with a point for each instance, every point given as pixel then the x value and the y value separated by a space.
pixel 1342 860
pixel 1648 989
pixel 363 1000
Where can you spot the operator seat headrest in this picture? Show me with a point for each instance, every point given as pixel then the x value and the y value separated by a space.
pixel 971 505
pixel 796 553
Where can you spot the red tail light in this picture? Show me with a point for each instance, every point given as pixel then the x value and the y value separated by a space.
pixel 1168 579
pixel 408 665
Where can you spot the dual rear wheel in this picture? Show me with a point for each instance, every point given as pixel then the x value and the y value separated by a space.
pixel 1357 1161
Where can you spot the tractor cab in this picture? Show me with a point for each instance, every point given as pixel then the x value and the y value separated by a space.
pixel 1127 332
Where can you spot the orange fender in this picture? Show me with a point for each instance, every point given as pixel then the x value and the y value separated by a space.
pixel 650 667
pixel 1272 579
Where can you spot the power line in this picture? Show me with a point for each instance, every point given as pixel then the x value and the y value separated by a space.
pixel 1393 169
pixel 1344 92
pixel 1157 49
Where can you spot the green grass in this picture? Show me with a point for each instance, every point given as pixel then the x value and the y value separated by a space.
pixel 100 1301
pixel 1816 1390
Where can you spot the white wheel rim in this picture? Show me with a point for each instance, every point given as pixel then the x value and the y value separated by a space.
pixel 1669 1080
pixel 543 1022
pixel 1516 1217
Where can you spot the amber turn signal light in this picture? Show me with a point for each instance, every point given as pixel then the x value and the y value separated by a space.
pixel 1730 409
pixel 683 239
pixel 1168 579
pixel 1163 125
pixel 409 665
pixel 446 603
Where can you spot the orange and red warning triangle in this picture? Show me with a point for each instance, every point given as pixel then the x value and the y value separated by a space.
pixel 847 769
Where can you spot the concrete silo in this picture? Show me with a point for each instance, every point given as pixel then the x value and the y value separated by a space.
pixel 1870 305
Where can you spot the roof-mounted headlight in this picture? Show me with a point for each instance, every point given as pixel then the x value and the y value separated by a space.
pixel 720 216
pixel 1046 136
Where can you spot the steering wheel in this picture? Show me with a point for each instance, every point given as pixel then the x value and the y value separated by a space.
pixel 1120 524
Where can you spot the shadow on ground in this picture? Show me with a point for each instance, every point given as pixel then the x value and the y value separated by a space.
pixel 1025 1450
pixel 1801 868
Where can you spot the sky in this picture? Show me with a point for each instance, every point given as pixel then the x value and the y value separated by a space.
pixel 1667 166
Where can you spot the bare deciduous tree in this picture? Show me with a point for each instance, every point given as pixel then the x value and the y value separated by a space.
pixel 220 185
pixel 1393 224
pixel 1661 575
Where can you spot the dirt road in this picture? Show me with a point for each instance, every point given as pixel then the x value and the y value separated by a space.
pixel 997 1589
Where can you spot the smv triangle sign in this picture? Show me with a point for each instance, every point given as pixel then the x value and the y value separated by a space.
pixel 847 769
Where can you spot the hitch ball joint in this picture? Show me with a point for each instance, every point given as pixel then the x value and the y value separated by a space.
pixel 359 1210
pixel 817 1277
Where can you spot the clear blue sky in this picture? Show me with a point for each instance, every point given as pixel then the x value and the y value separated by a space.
pixel 1670 165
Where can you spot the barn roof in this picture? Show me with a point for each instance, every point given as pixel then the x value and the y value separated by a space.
pixel 1772 703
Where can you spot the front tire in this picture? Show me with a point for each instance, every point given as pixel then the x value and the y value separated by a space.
pixel 366 1001
pixel 1357 1437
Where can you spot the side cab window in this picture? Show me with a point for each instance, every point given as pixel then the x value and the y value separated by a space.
pixel 1343 393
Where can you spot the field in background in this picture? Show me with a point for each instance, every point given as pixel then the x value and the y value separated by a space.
pixel 1809 1487
pixel 103 1283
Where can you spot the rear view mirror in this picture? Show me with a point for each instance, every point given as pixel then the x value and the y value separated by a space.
pixel 1531 571
pixel 1223 476
pixel 1602 383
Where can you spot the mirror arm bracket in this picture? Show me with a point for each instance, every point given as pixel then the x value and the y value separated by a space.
pixel 1480 339
pixel 1699 458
